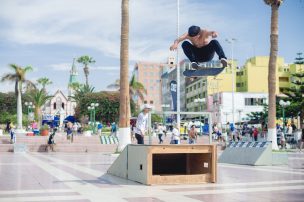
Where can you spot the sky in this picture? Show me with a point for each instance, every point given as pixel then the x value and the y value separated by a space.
pixel 48 34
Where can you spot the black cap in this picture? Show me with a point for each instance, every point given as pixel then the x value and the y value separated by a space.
pixel 194 30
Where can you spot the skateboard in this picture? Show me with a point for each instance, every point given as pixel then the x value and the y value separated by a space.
pixel 203 72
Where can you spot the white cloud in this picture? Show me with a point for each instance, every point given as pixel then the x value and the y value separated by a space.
pixel 96 24
pixel 61 66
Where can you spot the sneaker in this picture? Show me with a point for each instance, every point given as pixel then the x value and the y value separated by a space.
pixel 224 62
pixel 194 65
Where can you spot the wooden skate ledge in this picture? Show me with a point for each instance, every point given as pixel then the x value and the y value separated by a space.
pixel 172 164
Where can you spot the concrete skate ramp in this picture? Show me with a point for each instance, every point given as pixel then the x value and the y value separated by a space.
pixel 247 153
pixel 167 164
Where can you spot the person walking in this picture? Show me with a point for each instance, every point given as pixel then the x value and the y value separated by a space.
pixel 192 135
pixel 159 131
pixel 302 141
pixel 69 132
pixel 51 140
pixel 142 124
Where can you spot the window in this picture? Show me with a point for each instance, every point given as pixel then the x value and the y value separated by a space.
pixel 238 84
pixel 145 102
pixel 54 105
pixel 255 101
pixel 190 88
pixel 239 73
pixel 194 86
pixel 62 105
pixel 186 90
pixel 199 85
pixel 282 90
pixel 283 79
pixel 151 102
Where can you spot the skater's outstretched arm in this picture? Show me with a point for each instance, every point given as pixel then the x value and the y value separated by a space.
pixel 213 34
pixel 179 39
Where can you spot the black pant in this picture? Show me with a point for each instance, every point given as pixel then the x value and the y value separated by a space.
pixel 139 138
pixel 160 138
pixel 203 54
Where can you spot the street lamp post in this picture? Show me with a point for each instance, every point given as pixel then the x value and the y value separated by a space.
pixel 92 109
pixel 164 106
pixel 232 41
pixel 200 100
pixel 284 105
pixel 91 115
pixel 29 106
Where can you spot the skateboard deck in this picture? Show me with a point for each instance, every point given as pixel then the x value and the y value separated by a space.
pixel 203 72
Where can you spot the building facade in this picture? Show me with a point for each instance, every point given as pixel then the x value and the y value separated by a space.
pixel 150 74
pixel 253 76
pixel 220 104
pixel 170 74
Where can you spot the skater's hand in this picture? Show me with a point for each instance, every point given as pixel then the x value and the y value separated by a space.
pixel 214 34
pixel 173 47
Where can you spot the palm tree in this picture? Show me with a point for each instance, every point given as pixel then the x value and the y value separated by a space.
pixel 86 60
pixel 39 97
pixel 274 35
pixel 124 109
pixel 44 81
pixel 19 78
pixel 135 88
pixel 80 91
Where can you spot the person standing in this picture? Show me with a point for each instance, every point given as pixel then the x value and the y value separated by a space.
pixel 99 128
pixel 175 134
pixel 142 124
pixel 255 134
pixel 192 135
pixel 113 129
pixel 75 128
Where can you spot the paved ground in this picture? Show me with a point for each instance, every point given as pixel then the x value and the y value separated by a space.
pixel 55 177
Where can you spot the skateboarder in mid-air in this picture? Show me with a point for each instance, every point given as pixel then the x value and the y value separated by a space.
pixel 201 49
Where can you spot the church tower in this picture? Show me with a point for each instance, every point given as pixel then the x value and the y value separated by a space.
pixel 73 77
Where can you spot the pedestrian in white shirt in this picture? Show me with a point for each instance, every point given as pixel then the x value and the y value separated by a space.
pixel 142 124
pixel 175 135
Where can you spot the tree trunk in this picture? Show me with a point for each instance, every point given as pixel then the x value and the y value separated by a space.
pixel 86 73
pixel 19 107
pixel 124 110
pixel 272 135
pixel 301 122
pixel 38 116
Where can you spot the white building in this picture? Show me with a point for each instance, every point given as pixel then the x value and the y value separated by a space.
pixel 220 104
pixel 60 105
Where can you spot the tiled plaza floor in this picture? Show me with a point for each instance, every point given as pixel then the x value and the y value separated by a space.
pixel 55 177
